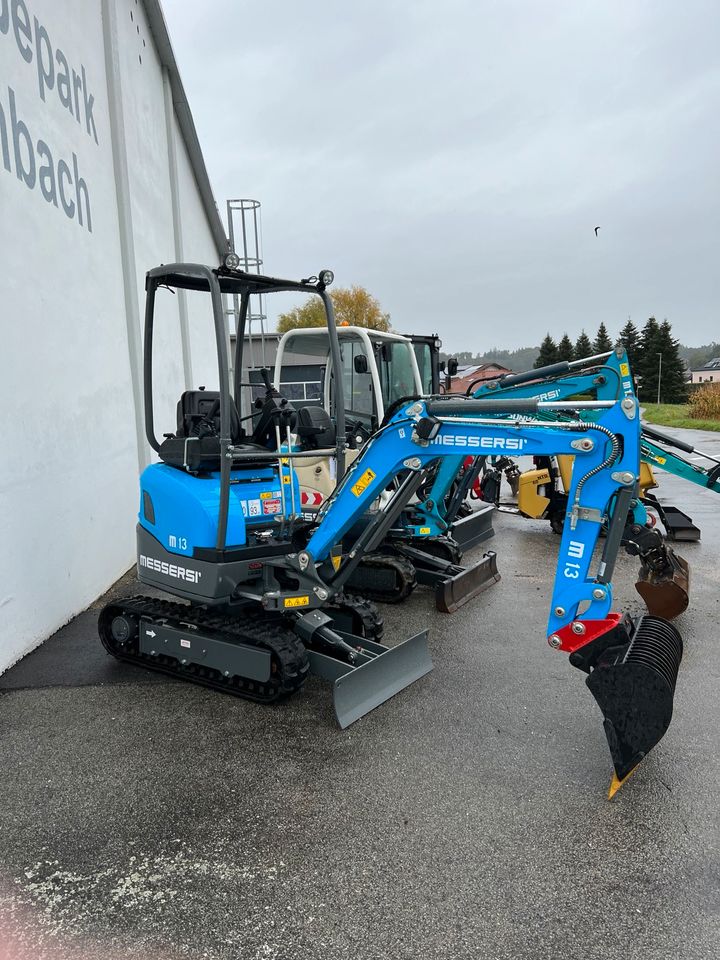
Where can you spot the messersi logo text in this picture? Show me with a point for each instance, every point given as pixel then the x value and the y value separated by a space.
pixel 480 443
pixel 171 569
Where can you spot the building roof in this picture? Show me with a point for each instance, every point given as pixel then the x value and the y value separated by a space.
pixel 713 364
pixel 159 30
pixel 471 369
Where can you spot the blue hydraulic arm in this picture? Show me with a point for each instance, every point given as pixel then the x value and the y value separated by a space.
pixel 608 377
pixel 607 453
pixel 609 380
pixel 603 381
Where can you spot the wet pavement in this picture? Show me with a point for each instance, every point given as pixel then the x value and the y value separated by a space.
pixel 465 818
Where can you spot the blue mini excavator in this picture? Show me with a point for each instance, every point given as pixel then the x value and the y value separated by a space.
pixel 259 596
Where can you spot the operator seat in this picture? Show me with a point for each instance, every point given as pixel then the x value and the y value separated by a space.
pixel 195 445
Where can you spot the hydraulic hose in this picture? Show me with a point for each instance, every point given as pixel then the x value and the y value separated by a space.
pixel 608 462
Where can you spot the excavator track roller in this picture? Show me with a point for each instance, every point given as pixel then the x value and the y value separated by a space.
pixel 634 687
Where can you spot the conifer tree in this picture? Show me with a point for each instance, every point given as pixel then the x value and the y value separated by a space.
pixel 603 343
pixel 630 339
pixel 647 367
pixel 673 386
pixel 548 353
pixel 566 350
pixel 583 347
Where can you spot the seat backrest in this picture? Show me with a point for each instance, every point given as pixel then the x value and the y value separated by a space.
pixel 198 413
pixel 314 428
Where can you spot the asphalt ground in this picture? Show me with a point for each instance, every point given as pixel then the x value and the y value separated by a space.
pixel 465 818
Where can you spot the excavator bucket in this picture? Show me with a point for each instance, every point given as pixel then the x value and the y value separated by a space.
pixel 379 674
pixel 667 593
pixel 634 688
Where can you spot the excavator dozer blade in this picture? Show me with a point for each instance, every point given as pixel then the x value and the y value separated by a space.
pixel 666 594
pixel 380 673
pixel 475 528
pixel 635 693
pixel 678 525
pixel 455 590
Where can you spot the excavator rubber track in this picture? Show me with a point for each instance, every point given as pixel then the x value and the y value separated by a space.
pixel 281 659
pixel 384 578
pixel 356 615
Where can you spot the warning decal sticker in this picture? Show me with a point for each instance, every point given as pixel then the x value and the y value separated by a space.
pixel 363 483
pixel 297 601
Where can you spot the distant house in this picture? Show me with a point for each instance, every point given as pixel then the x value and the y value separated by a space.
pixel 709 373
pixel 477 372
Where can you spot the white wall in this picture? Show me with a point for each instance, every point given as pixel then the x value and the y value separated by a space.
pixel 196 239
pixel 70 451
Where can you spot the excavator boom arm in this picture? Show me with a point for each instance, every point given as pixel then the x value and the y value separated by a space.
pixel 606 451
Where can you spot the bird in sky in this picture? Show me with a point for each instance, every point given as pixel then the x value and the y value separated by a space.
pixel 596 230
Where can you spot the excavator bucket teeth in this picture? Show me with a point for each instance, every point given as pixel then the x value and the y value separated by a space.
pixel 635 692
pixel 454 591
pixel 360 689
pixel 475 528
pixel 666 594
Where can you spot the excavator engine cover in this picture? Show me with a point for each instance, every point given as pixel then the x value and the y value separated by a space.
pixel 634 686
pixel 531 501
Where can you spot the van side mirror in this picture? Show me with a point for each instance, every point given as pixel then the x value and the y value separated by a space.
pixel 360 364
pixel 452 366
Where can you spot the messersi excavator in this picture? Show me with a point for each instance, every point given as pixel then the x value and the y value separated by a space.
pixel 263 597
pixel 378 370
pixel 664 577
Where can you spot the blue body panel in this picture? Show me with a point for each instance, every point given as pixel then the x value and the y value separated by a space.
pixel 186 507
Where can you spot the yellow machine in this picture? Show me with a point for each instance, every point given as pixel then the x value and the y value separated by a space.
pixel 535 488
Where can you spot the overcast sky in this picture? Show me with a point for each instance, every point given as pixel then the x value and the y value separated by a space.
pixel 455 157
